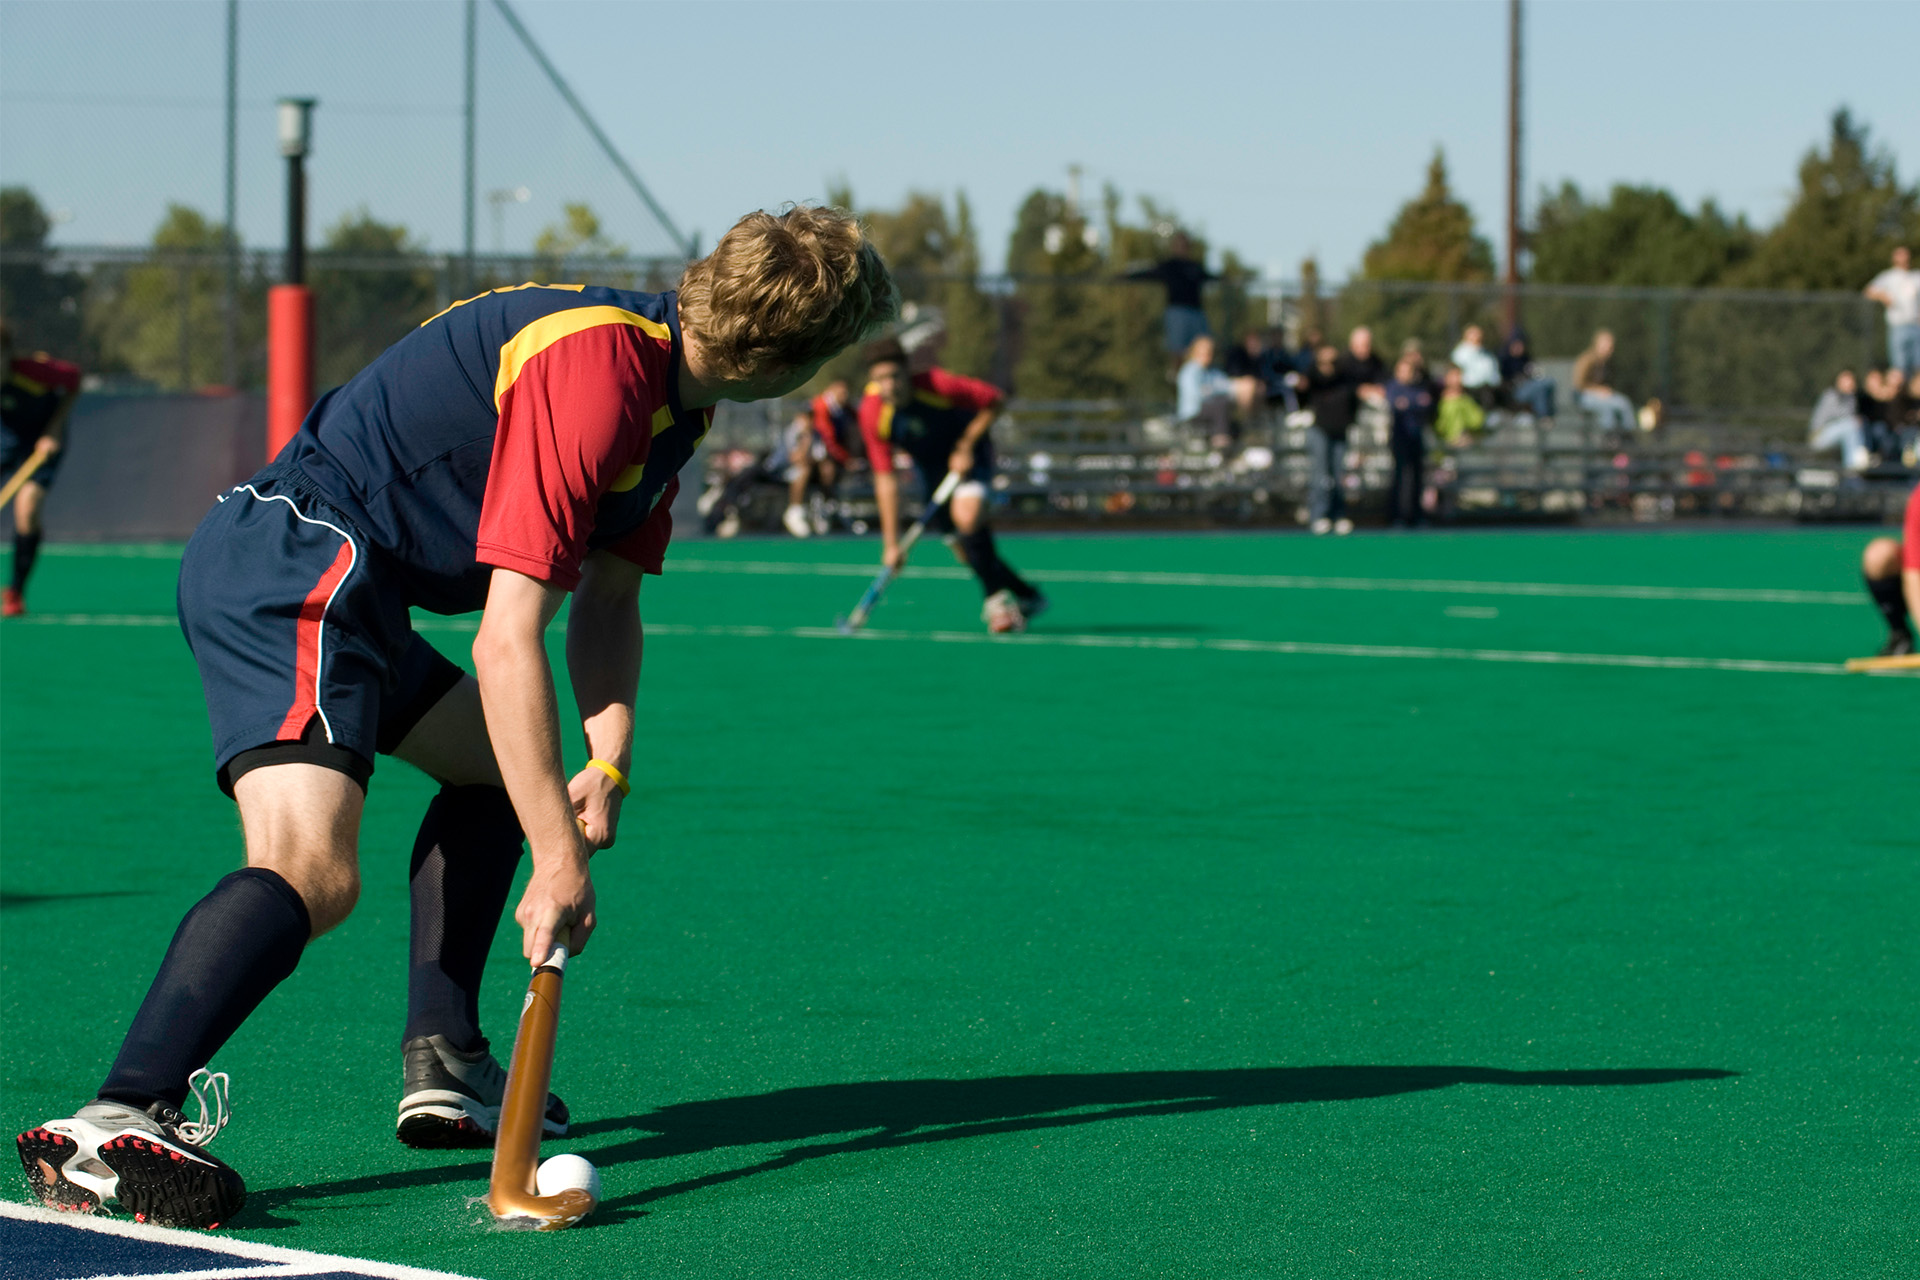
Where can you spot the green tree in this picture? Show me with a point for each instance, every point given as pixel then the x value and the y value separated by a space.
pixel 164 321
pixel 935 259
pixel 1639 236
pixel 43 306
pixel 1431 240
pixel 577 235
pixel 369 292
pixel 1848 214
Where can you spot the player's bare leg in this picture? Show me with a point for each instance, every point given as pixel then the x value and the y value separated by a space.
pixel 27 506
pixel 1010 599
pixel 1880 566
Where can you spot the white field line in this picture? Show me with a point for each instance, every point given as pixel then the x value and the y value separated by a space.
pixel 1299 582
pixel 286 1262
pixel 1310 648
pixel 1146 578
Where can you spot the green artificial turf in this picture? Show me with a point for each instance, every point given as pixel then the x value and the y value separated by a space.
pixel 1117 953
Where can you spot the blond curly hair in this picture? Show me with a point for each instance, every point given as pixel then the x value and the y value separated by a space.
pixel 782 291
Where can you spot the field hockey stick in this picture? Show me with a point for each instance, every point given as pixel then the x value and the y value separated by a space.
pixel 24 474
pixel 858 618
pixel 1903 662
pixel 511 1194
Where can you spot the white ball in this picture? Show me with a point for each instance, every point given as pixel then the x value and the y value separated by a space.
pixel 566 1173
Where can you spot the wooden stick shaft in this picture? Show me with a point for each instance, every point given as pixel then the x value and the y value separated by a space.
pixel 24 474
pixel 516 1143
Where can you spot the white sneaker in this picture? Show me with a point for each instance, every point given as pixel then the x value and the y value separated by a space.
pixel 152 1164
pixel 795 519
pixel 1321 527
pixel 1342 527
pixel 729 525
pixel 1001 613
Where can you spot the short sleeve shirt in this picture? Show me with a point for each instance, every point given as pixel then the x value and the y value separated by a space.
pixel 929 425
pixel 1903 288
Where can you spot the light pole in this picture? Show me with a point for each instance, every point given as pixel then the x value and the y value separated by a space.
pixel 290 305
pixel 497 200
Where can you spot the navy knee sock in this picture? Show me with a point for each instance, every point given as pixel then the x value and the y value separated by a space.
pixel 983 557
pixel 1891 600
pixel 463 864
pixel 237 944
pixel 26 549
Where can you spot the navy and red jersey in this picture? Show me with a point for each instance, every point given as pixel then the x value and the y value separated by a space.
pixel 835 425
pixel 927 427
pixel 516 430
pixel 33 392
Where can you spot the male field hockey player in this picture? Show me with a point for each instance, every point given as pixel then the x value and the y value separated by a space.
pixel 516 448
pixel 941 420
pixel 1891 567
pixel 37 394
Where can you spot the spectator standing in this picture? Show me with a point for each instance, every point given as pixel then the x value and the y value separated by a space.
pixel 1878 392
pixel 1183 277
pixel 1460 415
pixel 1898 290
pixel 1524 385
pixel 1332 390
pixel 1836 422
pixel 1204 395
pixel 1591 384
pixel 1479 370
pixel 1411 402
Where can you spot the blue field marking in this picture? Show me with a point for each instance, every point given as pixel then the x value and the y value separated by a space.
pixel 40 1244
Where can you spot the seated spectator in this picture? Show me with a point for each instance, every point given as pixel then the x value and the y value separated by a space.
pixel 1259 372
pixel 1879 408
pixel 1525 388
pixel 1205 395
pixel 1460 417
pixel 1479 371
pixel 1410 403
pixel 1836 422
pixel 1591 384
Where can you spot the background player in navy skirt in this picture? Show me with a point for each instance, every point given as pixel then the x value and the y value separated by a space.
pixel 941 419
pixel 37 394
pixel 516 449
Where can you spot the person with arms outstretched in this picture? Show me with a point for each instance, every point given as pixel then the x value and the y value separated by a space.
pixel 517 449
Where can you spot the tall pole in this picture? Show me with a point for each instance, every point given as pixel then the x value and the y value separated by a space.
pixel 1511 279
pixel 473 13
pixel 230 366
pixel 290 305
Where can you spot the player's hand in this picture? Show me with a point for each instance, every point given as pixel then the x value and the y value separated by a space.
pixel 47 445
pixel 893 557
pixel 596 804
pixel 558 905
pixel 962 459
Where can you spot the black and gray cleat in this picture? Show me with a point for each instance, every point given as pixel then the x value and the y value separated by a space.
pixel 452 1099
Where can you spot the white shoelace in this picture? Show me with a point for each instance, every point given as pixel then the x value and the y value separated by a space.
pixel 210 1091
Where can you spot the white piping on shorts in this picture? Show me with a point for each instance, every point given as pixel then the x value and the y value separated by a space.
pixel 320 644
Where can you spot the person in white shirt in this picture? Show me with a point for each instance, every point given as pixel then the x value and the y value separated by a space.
pixel 1479 368
pixel 1898 290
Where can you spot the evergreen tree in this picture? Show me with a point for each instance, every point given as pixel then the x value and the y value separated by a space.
pixel 1431 240
pixel 1640 236
pixel 1848 214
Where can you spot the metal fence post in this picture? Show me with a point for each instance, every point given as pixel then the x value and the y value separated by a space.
pixel 186 327
pixel 1663 345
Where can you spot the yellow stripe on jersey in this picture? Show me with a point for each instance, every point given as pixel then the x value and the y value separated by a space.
pixel 628 478
pixel 507 288
pixel 549 329
pixel 662 419
pixel 884 429
pixel 937 401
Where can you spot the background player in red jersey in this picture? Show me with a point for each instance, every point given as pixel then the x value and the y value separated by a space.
pixel 819 452
pixel 37 395
pixel 1891 567
pixel 941 420
pixel 516 449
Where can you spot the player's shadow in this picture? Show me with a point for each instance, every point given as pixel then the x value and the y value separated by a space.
pixel 818 1121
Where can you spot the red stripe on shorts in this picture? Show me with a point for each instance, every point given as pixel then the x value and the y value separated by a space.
pixel 306 666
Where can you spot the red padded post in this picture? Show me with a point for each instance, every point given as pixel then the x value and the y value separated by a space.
pixel 289 362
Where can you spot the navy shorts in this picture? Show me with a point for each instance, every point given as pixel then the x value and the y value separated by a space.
pixel 305 646
pixel 933 469
pixel 14 452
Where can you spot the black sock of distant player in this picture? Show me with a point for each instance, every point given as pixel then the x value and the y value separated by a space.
pixel 1891 600
pixel 237 944
pixel 994 573
pixel 463 863
pixel 26 549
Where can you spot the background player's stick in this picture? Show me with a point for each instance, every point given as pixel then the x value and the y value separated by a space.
pixel 511 1196
pixel 1905 662
pixel 19 479
pixel 858 618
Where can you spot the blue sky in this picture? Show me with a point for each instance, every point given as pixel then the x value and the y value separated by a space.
pixel 1280 129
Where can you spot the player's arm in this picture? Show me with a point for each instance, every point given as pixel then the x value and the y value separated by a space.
pixel 886 484
pixel 604 642
pixel 54 437
pixel 1910 584
pixel 523 720
pixel 985 400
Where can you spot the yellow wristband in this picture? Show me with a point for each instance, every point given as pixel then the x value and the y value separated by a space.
pixel 619 778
